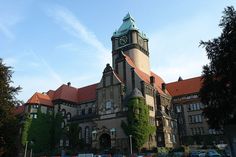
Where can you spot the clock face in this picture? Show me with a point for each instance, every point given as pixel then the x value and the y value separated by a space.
pixel 123 40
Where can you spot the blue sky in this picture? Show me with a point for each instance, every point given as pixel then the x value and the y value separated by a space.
pixel 49 43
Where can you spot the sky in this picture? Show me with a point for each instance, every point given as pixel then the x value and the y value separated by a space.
pixel 50 43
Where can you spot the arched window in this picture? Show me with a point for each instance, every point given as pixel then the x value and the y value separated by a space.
pixel 90 110
pixel 63 112
pixel 62 124
pixel 68 116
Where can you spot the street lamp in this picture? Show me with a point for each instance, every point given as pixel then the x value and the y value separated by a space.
pixel 31 150
pixel 130 142
pixel 26 148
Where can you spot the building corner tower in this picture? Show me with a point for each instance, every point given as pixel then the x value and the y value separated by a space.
pixel 129 40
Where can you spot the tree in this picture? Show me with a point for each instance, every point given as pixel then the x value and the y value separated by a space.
pixel 138 122
pixel 74 135
pixel 43 133
pixel 218 91
pixel 8 121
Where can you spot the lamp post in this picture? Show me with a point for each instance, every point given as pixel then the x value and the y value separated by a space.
pixel 31 150
pixel 130 142
pixel 26 145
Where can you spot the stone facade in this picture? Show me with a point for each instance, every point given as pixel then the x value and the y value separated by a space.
pixel 99 109
pixel 192 125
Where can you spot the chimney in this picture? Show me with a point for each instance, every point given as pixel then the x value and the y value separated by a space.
pixel 152 80
pixel 68 84
pixel 163 87
pixel 180 79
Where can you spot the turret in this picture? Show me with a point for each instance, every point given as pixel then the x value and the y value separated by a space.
pixel 132 42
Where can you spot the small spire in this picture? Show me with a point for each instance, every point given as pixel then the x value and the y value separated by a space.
pixel 180 79
pixel 127 17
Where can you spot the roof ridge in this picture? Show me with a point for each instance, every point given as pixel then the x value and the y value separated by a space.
pixel 185 79
pixel 88 86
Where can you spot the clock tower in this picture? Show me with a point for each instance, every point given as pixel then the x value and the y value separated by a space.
pixel 129 40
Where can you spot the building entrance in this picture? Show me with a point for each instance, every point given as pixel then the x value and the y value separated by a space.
pixel 105 141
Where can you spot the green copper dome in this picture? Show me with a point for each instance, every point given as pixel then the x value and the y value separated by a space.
pixel 127 25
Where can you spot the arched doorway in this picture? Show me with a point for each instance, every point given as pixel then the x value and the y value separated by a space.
pixel 105 141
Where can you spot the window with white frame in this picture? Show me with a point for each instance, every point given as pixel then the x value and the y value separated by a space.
pixel 86 134
pixel 178 108
pixel 33 115
pixel 108 105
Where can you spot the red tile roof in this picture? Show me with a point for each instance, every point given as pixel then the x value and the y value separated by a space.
pixel 87 93
pixel 19 109
pixel 184 87
pixel 50 93
pixel 158 83
pixel 39 98
pixel 66 92
pixel 145 77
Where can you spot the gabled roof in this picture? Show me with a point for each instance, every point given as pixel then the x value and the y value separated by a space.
pixel 188 86
pixel 66 92
pixel 87 93
pixel 145 77
pixel 39 98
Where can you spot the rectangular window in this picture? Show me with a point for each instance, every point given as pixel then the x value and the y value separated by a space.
pixel 157 123
pixel 174 138
pixel 178 109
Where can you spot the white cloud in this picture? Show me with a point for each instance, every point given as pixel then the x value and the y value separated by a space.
pixel 72 25
pixel 6 31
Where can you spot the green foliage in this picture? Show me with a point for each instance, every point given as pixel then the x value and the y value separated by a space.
pixel 40 132
pixel 57 131
pixel 8 121
pixel 73 135
pixel 138 122
pixel 218 91
pixel 25 129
